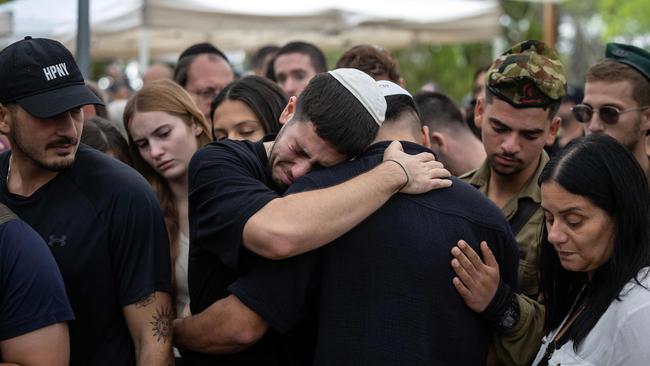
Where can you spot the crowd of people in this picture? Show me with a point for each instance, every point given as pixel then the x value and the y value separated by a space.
pixel 300 216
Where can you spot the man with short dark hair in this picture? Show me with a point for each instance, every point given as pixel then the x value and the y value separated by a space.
pixel 236 213
pixel 295 64
pixel 617 99
pixel 99 217
pixel 517 117
pixel 203 70
pixel 385 293
pixel 454 143
pixel 260 59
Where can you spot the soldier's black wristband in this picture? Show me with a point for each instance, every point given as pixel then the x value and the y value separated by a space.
pixel 503 311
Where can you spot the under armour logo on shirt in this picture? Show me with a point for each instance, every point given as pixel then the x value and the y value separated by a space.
pixel 58 241
pixel 55 71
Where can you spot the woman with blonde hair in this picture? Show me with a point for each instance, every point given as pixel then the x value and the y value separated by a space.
pixel 165 128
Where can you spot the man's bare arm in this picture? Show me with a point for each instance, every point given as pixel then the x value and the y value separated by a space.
pixel 227 326
pixel 149 321
pixel 302 222
pixel 49 345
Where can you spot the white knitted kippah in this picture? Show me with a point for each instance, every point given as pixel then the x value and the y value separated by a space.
pixel 390 88
pixel 365 89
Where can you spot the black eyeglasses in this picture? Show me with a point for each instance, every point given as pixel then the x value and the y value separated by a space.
pixel 607 114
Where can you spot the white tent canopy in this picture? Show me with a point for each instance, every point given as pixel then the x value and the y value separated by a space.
pixel 127 28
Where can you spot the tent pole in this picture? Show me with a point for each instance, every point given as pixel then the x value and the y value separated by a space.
pixel 143 50
pixel 83 38
pixel 550 23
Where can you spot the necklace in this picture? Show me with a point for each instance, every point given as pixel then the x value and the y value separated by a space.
pixel 11 158
pixel 561 337
pixel 556 342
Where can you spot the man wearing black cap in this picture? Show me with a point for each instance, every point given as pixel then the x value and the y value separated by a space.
pixel 617 99
pixel 100 219
pixel 203 70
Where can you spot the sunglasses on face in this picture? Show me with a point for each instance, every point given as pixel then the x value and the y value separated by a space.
pixel 607 114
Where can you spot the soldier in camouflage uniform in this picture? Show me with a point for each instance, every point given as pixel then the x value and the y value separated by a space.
pixel 517 117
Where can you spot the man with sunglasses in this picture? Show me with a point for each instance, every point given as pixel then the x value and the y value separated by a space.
pixel 617 99
pixel 518 117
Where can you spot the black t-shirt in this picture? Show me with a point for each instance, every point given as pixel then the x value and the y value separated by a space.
pixel 386 296
pixel 228 182
pixel 105 229
pixel 32 294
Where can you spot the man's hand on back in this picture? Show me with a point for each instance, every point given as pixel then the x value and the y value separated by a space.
pixel 422 172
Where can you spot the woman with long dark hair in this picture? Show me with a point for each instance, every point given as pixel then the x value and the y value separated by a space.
pixel 595 256
pixel 247 109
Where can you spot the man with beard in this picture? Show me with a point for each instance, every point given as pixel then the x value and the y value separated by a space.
pixel 385 295
pixel 99 217
pixel 617 99
pixel 517 116
pixel 237 216
pixel 617 103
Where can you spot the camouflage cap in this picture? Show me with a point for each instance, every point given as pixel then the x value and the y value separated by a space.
pixel 635 57
pixel 529 75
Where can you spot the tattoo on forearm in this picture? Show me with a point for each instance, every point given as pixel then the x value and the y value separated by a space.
pixel 146 300
pixel 161 326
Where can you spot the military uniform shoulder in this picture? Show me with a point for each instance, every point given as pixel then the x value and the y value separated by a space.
pixel 477 177
pixel 468 176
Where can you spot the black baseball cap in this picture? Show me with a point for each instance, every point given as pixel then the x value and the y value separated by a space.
pixel 42 77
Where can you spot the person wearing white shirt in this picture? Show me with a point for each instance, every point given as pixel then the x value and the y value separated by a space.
pixel 595 256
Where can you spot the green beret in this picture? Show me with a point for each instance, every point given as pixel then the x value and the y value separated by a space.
pixel 635 57
pixel 529 75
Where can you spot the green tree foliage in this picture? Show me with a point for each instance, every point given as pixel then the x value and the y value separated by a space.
pixel 450 67
pixel 629 18
pixel 521 21
pixel 584 46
